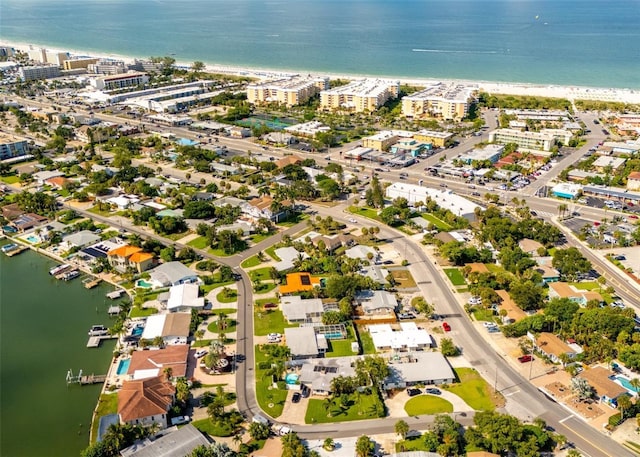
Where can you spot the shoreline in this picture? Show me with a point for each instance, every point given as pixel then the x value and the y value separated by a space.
pixel 620 95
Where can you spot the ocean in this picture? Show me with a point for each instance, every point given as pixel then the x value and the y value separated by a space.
pixel 564 42
pixel 43 333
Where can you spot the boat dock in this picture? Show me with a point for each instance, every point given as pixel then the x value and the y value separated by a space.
pixel 90 283
pixel 115 294
pixel 16 251
pixel 68 275
pixel 94 341
pixel 85 380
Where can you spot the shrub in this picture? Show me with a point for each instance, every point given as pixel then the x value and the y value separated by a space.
pixel 615 419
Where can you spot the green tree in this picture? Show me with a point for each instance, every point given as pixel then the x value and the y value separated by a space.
pixel 401 428
pixel 570 262
pixel 448 349
pixel 259 431
pixel 364 446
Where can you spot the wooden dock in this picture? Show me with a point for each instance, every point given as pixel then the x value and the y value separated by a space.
pixel 84 380
pixel 90 283
pixel 94 341
pixel 16 251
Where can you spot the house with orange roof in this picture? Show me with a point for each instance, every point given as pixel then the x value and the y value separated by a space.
pixel 633 181
pixel 553 347
pixel 57 182
pixel 600 379
pixel 514 312
pixel 149 364
pixel 146 402
pixel 127 256
pixel 477 267
pixel 565 290
pixel 299 282
pixel 288 160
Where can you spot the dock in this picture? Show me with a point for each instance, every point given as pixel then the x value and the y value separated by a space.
pixel 115 294
pixel 90 283
pixel 94 341
pixel 16 251
pixel 67 274
pixel 84 379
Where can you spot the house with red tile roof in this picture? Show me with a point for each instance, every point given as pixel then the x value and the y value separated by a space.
pixel 146 401
pixel 148 364
pixel 127 256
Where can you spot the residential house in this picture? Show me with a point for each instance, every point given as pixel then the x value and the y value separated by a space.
pixel 362 252
pixel 288 160
pixel 172 274
pixel 408 338
pixel 145 402
pixel 299 310
pixel 57 182
pixel 529 246
pixel 375 272
pixel 183 297
pixel 317 374
pixel 127 256
pixel 514 312
pixel 304 343
pixel 633 181
pixel 173 328
pixel 603 163
pixel 239 226
pixel 600 379
pixel 86 134
pixel 149 364
pixel 41 177
pixel 376 301
pixel 172 442
pixel 204 196
pixel 476 267
pixel 564 290
pixel 123 202
pixel 299 282
pixel 548 273
pixel 80 239
pixel 27 221
pixel 288 256
pixel 260 207
pixel 419 368
pixel 553 347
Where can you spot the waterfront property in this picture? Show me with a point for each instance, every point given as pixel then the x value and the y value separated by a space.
pixel 172 274
pixel 359 96
pixel 449 101
pixel 146 402
pixel 286 91
pixel 173 328
pixel 171 442
pixel 148 364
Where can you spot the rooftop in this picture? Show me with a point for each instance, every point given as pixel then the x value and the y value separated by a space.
pixel 144 398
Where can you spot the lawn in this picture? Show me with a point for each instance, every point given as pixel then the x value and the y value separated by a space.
pixel 366 342
pixel 427 404
pixel 403 278
pixel 440 224
pixel 137 311
pixel 10 179
pixel 252 261
pixel 227 296
pixel 226 311
pixel 270 321
pixel 318 410
pixel 107 404
pixel 217 429
pixel 493 268
pixel 258 237
pixel 260 273
pixel 415 443
pixel 340 348
pixel 475 391
pixel 271 251
pixel 455 276
pixel 270 400
pixel 366 212
pixel 482 314
pixel 231 326
pixel 265 287
pixel 293 220
pixel 198 243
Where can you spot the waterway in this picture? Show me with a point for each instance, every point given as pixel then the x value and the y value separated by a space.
pixel 43 333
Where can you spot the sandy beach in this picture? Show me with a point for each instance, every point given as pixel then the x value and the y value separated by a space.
pixel 539 90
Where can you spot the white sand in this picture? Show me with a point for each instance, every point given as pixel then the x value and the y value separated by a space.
pixel 539 90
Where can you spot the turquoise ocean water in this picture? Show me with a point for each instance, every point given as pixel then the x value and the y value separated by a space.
pixel 567 42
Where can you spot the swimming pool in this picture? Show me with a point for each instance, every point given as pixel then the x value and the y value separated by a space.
pixel 186 142
pixel 625 383
pixel 141 283
pixel 137 331
pixel 333 336
pixel 291 378
pixel 33 239
pixel 123 367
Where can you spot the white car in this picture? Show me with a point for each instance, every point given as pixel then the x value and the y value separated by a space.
pixel 353 221
pixel 489 324
pixel 475 300
pixel 201 353
pixel 274 335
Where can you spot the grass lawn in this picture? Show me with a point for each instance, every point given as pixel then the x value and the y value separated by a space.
pixel 226 311
pixel 265 287
pixel 95 210
pixel 136 311
pixel 229 296
pixel 366 342
pixel 270 321
pixel 340 348
pixel 293 220
pixel 482 314
pixel 271 251
pixel 593 286
pixel 427 404
pixel 270 400
pixel 403 278
pixel 252 261
pixel 217 429
pixel 317 412
pixel 222 253
pixel 440 224
pixel 231 326
pixel 366 212
pixel 475 391
pixel 107 404
pixel 10 179
pixel 260 273
pixel 493 268
pixel 415 443
pixel 455 276
pixel 258 237
pixel 198 243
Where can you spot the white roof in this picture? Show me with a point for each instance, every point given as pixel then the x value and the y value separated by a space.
pixel 302 341
pixel 406 338
pixel 287 256
pixel 296 308
pixel 171 273
pixel 82 238
pixel 458 205
pixel 429 367
pixel 360 252
pixel 148 373
pixel 154 326
pixel 184 295
pixel 376 300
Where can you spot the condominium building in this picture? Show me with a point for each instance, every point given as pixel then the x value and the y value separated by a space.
pixel 12 147
pixel 359 96
pixel 114 82
pixel 39 72
pixel 438 139
pixel 6 51
pixel 41 55
pixel 107 67
pixel 539 141
pixel 288 91
pixel 448 101
pixel 79 63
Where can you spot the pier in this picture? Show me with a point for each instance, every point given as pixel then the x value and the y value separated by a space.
pixel 16 251
pixel 90 283
pixel 85 380
pixel 115 294
pixel 94 341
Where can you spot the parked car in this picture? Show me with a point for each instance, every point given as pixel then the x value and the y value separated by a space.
pixel 305 392
pixel 179 420
pixel 404 316
pixel 201 353
pixel 432 391
pixel 525 358
pixel 446 327
pixel 296 397
pixel 413 392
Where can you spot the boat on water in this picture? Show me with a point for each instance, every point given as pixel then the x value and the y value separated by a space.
pixel 8 247
pixel 69 275
pixel 98 330
pixel 59 269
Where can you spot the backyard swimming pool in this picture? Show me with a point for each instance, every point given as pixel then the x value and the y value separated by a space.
pixel 33 239
pixel 137 331
pixel 141 283
pixel 123 367
pixel 291 378
pixel 625 383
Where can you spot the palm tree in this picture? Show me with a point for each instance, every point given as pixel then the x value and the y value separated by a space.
pixel 237 440
pixel 562 209
pixel 329 403
pixel 624 403
pixel 635 383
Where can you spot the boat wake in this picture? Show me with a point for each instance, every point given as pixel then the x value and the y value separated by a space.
pixel 445 51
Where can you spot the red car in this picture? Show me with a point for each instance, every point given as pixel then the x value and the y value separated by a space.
pixel 446 327
pixel 525 358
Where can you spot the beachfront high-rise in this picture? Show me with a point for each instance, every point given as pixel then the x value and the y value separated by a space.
pixel 79 63
pixel 38 72
pixel 113 82
pixel 449 101
pixel 287 91
pixel 359 96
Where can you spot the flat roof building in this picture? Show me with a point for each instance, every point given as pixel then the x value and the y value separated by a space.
pixel 445 100
pixel 79 63
pixel 535 141
pixel 121 81
pixel 438 139
pixel 38 72
pixel 359 96
pixel 490 152
pixel 287 91
pixel 305 343
pixel 11 146
pixel 422 368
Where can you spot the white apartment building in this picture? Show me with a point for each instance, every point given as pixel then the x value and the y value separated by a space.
pixel 359 96
pixel 114 82
pixel 39 72
pixel 107 67
pixel 287 91
pixel 537 141
pixel 446 100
